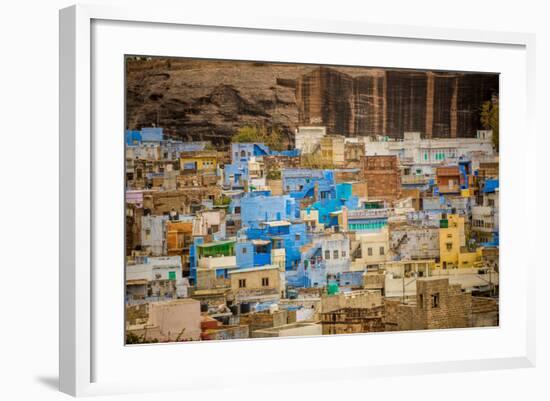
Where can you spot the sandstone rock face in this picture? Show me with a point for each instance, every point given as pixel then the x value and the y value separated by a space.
pixel 210 100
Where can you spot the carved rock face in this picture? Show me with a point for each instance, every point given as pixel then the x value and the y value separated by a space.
pixel 210 100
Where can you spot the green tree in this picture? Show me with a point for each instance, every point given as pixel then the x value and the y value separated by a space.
pixel 489 118
pixel 273 137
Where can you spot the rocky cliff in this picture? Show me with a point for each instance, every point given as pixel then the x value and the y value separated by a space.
pixel 210 100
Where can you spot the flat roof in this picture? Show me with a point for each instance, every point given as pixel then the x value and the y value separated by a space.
pixel 260 242
pixel 278 223
pixel 216 243
pixel 254 269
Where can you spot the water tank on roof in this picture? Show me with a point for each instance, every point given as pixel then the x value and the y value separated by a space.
pixel 245 308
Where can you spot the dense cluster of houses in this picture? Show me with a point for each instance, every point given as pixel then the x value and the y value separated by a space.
pixel 337 235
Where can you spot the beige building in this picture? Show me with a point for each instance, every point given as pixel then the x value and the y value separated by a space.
pixel 290 330
pixel 351 299
pixel 370 250
pixel 332 150
pixel 255 282
pixel 171 321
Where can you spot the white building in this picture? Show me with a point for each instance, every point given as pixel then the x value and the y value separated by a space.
pixel 164 269
pixel 415 150
pixel 153 234
pixel 308 139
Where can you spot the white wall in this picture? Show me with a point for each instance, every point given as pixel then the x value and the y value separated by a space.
pixel 29 98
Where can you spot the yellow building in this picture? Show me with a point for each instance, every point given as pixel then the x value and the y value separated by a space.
pixel 332 150
pixel 452 245
pixel 311 218
pixel 198 161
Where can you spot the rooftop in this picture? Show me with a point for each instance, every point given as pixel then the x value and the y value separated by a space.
pixel 216 243
pixel 254 269
pixel 278 223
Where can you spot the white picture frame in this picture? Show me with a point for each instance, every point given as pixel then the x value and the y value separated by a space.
pixel 80 211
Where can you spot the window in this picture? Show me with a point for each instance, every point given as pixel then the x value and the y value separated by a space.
pixel 171 276
pixel 435 300
pixel 335 254
pixel 421 301
pixel 242 283
pixel 265 282
pixel 244 250
pixel 327 254
pixel 381 250
pixel 369 251
pixel 297 237
pixel 343 254
pixel 449 246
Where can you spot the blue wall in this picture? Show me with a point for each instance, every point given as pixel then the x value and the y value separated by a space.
pixel 132 137
pixel 256 209
pixel 152 134
pixel 490 186
pixel 296 237
pixel 193 261
pixel 300 183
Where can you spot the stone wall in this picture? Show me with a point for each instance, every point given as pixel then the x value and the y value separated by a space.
pixel 263 320
pixel 353 320
pixel 438 306
pixel 227 333
pixel 182 200
pixel 210 100
pixel 353 299
pixel 391 102
pixel 484 312
pixel 383 177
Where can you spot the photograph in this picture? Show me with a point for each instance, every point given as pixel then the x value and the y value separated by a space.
pixel 267 199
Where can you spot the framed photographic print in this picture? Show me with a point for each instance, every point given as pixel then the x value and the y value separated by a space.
pixel 347 194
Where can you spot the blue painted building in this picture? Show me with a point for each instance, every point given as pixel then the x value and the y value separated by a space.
pixel 152 134
pixel 490 186
pixel 147 134
pixel 257 209
pixel 326 257
pixel 252 253
pixel 465 169
pixel 281 234
pixel 132 137
pixel 300 183
pixel 193 258
pixel 241 153
pixel 367 220
pixel 236 174
pixel 329 207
